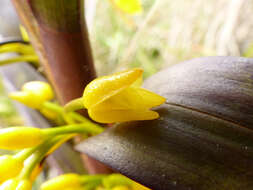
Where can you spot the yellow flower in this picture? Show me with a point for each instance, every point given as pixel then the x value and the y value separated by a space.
pixel 63 182
pixel 14 138
pixel 119 98
pixel 10 167
pixel 33 94
pixel 16 184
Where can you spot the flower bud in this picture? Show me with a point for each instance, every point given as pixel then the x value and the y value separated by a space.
pixel 33 94
pixel 63 182
pixel 14 138
pixel 119 98
pixel 10 167
pixel 105 87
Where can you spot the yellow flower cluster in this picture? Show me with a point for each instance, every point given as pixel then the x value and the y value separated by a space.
pixel 109 99
pixel 114 98
pixel 19 169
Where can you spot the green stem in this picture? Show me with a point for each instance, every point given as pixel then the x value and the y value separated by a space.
pixel 75 128
pixel 37 158
pixel 73 105
pixel 60 110
pixel 24 154
pixel 53 107
pixel 85 179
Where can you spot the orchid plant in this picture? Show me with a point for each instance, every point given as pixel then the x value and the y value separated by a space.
pixel 109 99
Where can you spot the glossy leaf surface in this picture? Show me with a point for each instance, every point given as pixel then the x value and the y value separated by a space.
pixel 203 139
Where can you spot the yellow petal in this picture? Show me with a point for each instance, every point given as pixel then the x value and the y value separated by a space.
pixel 103 88
pixel 14 138
pixel 66 181
pixel 9 167
pixel 131 98
pixel 25 98
pixel 129 6
pixel 113 116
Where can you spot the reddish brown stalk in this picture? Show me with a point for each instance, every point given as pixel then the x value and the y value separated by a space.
pixel 63 45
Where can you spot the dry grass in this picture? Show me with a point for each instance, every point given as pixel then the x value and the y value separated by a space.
pixel 168 32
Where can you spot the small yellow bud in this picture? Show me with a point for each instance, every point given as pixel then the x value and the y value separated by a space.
pixel 33 94
pixel 10 167
pixel 63 182
pixel 119 98
pixel 14 138
pixel 16 184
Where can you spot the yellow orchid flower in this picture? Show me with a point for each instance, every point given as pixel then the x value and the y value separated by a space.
pixel 63 182
pixel 10 167
pixel 33 94
pixel 119 98
pixel 16 184
pixel 14 138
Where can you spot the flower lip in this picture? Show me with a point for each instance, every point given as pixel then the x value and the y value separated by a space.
pixel 105 87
